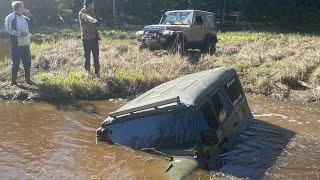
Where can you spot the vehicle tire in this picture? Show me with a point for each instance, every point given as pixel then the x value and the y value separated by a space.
pixel 142 45
pixel 178 45
pixel 210 47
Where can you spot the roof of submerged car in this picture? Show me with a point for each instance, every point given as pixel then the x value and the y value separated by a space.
pixel 191 89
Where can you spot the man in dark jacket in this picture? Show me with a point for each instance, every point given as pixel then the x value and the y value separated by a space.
pixel 90 35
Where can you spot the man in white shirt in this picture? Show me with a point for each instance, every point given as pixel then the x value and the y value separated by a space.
pixel 16 24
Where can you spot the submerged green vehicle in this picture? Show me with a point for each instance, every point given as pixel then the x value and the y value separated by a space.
pixel 188 120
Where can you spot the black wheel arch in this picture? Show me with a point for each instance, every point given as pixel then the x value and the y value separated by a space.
pixel 181 35
pixel 212 37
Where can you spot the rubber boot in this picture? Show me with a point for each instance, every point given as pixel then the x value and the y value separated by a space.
pixel 14 77
pixel 97 71
pixel 27 76
pixel 87 69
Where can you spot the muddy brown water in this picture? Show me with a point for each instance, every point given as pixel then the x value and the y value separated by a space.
pixel 45 141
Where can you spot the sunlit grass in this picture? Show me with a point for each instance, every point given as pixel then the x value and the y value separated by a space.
pixel 70 79
pixel 39 48
pixel 315 78
pixel 263 60
pixel 239 36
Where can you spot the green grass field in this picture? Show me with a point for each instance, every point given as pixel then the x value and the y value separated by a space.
pixel 268 63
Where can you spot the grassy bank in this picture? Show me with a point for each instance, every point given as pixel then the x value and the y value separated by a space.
pixel 281 65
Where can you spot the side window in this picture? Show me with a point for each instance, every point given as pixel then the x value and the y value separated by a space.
pixel 210 20
pixel 199 20
pixel 234 90
pixel 221 106
pixel 207 117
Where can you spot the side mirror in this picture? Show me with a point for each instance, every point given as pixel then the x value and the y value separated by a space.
pixel 209 137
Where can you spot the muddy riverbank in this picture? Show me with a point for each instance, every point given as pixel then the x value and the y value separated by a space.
pixel 53 141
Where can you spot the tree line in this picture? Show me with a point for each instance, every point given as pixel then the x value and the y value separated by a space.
pixel 139 12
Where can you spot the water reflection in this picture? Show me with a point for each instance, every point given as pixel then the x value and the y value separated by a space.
pixel 37 140
pixel 58 141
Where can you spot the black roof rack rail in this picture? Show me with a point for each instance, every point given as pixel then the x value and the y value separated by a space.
pixel 148 106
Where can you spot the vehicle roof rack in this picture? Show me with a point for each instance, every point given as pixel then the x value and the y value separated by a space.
pixel 148 106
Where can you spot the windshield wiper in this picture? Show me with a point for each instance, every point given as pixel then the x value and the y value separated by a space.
pixel 158 152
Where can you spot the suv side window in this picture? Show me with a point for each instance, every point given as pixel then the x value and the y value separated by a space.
pixel 199 20
pixel 210 20
pixel 221 105
pixel 234 90
pixel 207 118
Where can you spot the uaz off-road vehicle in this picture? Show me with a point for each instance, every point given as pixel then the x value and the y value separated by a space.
pixel 181 30
pixel 187 120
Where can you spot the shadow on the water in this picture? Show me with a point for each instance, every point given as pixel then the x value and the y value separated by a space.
pixel 253 151
pixel 85 107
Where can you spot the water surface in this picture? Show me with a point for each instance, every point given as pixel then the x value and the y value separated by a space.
pixel 43 141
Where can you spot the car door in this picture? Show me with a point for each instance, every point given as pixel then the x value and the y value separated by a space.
pixel 209 122
pixel 225 112
pixel 210 24
pixel 237 97
pixel 198 28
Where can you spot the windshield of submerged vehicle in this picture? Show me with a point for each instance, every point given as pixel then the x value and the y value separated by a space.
pixel 178 18
pixel 172 130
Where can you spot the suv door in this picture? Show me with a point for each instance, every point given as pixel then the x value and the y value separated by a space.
pixel 211 25
pixel 198 28
pixel 209 122
pixel 225 112
pixel 235 93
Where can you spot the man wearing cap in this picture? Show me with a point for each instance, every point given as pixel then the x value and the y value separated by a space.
pixel 90 35
pixel 16 24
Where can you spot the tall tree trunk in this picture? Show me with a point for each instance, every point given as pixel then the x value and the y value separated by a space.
pixel 222 10
pixel 114 12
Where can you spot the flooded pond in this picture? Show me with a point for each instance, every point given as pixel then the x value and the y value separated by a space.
pixel 41 140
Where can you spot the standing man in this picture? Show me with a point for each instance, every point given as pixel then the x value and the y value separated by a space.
pixel 90 35
pixel 16 24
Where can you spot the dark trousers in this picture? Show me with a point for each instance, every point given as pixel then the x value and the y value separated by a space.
pixel 19 53
pixel 91 46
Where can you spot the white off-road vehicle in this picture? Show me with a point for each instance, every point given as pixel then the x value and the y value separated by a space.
pixel 180 30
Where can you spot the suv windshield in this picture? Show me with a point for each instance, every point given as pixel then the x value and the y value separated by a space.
pixel 172 130
pixel 177 18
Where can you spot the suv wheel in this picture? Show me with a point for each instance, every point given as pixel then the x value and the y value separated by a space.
pixel 210 47
pixel 142 44
pixel 178 45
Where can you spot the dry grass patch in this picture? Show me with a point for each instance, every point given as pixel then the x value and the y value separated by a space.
pixel 267 64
